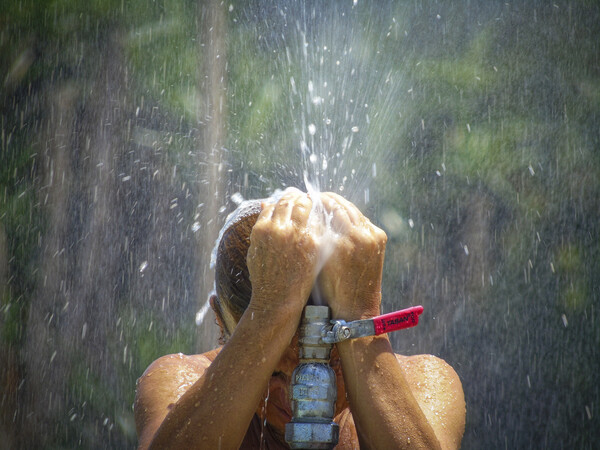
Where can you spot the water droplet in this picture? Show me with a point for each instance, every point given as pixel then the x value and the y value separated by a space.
pixel 237 198
pixel 312 129
pixel 355 129
pixel 313 158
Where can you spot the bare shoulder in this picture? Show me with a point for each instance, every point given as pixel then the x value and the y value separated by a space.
pixel 440 395
pixel 161 386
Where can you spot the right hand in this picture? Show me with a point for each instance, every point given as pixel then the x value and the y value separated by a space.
pixel 282 257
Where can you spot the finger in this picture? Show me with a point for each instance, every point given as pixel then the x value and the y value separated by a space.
pixel 356 217
pixel 340 220
pixel 284 207
pixel 267 211
pixel 301 210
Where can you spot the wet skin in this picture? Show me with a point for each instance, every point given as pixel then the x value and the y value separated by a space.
pixel 433 383
pixel 385 400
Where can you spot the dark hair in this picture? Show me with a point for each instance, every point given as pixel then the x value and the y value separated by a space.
pixel 232 280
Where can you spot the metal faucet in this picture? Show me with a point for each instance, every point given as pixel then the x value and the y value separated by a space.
pixel 314 392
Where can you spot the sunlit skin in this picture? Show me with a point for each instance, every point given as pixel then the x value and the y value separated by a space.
pixel 215 400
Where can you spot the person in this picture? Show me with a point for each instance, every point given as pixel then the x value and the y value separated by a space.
pixel 236 396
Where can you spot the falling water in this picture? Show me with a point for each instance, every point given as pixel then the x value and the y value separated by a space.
pixel 467 130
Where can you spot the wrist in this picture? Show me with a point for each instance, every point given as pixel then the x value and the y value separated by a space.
pixel 364 308
pixel 280 309
pixel 363 345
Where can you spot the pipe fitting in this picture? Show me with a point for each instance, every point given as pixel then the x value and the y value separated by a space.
pixel 314 391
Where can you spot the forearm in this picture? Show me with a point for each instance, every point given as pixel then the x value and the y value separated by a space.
pixel 215 412
pixel 385 412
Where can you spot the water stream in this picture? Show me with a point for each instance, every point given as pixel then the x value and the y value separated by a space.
pixel 467 130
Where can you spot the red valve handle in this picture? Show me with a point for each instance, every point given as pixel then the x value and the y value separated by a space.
pixel 397 320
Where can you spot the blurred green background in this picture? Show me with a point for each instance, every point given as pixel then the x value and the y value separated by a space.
pixel 469 131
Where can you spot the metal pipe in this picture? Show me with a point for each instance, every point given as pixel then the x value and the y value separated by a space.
pixel 313 392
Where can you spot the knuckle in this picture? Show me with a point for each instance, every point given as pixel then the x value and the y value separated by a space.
pixel 381 235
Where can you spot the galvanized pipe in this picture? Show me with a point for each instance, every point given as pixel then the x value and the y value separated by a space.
pixel 313 392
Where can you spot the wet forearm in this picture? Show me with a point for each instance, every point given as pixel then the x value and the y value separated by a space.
pixel 385 411
pixel 216 411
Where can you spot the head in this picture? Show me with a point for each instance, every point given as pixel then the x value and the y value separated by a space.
pixel 233 294
pixel 232 280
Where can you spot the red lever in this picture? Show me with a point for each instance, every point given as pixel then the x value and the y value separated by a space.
pixel 397 320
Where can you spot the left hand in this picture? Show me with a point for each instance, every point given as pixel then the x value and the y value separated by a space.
pixel 350 280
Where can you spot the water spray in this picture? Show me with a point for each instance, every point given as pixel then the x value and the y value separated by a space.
pixel 313 391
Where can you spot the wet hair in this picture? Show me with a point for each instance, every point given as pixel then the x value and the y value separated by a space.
pixel 232 280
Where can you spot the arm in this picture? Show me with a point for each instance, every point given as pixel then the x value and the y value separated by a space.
pixel 216 409
pixel 384 408
pixel 214 412
pixel 439 393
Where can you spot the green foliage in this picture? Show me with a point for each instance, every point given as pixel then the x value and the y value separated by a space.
pixel 483 123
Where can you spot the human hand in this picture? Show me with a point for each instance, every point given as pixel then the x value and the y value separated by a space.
pixel 350 280
pixel 282 256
